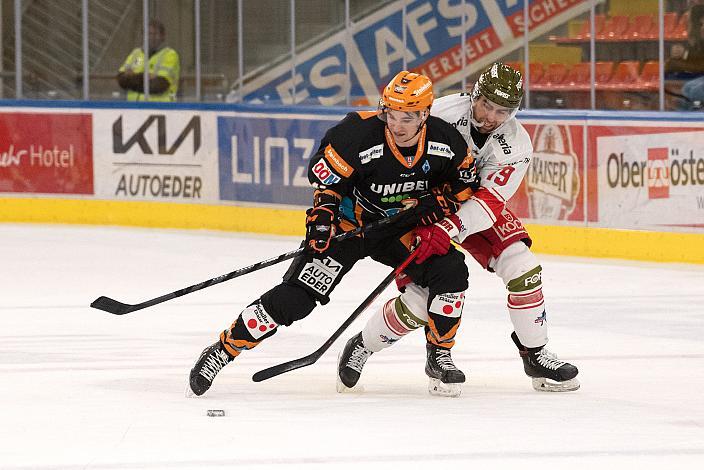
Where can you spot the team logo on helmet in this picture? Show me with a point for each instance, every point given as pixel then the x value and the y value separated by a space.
pixel 408 91
pixel 500 84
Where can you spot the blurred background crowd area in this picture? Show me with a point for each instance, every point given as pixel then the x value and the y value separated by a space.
pixel 635 61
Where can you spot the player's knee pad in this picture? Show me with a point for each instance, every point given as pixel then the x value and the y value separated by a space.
pixel 515 262
pixel 287 303
pixel 252 326
pixel 447 273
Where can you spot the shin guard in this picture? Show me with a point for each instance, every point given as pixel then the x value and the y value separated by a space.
pixel 444 316
pixel 250 328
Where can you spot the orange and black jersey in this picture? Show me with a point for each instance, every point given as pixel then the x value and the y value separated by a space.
pixel 358 160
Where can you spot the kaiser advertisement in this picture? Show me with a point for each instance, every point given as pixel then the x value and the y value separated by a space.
pixel 49 153
pixel 553 187
pixel 155 155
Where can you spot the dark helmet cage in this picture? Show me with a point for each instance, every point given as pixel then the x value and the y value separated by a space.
pixel 500 84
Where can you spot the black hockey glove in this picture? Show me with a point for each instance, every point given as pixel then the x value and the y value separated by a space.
pixel 436 205
pixel 321 221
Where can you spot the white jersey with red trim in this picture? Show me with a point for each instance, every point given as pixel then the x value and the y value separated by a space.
pixel 502 162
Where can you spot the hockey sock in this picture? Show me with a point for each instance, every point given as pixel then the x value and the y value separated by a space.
pixel 521 272
pixel 394 321
pixel 250 328
pixel 527 308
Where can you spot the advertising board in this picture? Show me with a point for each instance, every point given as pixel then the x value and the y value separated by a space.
pixel 46 153
pixel 160 155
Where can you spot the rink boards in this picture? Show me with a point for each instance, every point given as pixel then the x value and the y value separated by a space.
pixel 602 184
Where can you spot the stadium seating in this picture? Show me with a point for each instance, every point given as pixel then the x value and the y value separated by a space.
pixel 680 31
pixel 602 74
pixel 623 28
pixel 578 78
pixel 551 80
pixel 614 29
pixel 643 28
pixel 650 76
pixel 626 77
pixel 585 31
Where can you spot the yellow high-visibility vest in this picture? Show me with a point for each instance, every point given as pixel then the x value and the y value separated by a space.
pixel 165 63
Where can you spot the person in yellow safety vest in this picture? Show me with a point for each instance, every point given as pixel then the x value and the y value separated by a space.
pixel 164 69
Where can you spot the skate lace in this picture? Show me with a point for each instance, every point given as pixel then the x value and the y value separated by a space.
pixel 214 364
pixel 548 359
pixel 359 356
pixel 444 359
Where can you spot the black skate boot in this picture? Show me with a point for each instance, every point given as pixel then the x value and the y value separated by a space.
pixel 211 361
pixel 350 363
pixel 445 377
pixel 548 372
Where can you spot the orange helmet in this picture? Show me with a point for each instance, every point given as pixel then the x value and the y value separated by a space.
pixel 408 91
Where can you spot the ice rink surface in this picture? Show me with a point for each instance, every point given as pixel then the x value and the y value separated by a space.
pixel 83 389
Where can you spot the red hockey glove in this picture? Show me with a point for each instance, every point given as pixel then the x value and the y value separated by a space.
pixel 436 239
pixel 321 221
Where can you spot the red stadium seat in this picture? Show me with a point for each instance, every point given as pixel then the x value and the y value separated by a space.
pixel 682 25
pixel 552 78
pixel 578 78
pixel 536 75
pixel 626 76
pixel 585 33
pixel 650 75
pixel 602 74
pixel 670 25
pixel 615 28
pixel 643 27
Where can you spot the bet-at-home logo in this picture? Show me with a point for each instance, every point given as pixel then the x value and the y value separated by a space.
pixel 552 179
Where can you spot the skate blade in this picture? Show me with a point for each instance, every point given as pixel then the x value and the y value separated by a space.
pixel 342 388
pixel 440 389
pixel 188 392
pixel 546 385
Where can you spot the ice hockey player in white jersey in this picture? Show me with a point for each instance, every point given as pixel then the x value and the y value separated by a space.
pixel 490 232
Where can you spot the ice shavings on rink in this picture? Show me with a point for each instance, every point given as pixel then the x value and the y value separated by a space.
pixel 81 388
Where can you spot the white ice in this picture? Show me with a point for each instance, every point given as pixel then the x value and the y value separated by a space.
pixel 83 389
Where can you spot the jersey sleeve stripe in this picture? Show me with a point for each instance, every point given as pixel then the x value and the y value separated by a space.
pixel 337 162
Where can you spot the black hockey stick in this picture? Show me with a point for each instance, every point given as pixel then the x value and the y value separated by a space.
pixel 312 358
pixel 118 308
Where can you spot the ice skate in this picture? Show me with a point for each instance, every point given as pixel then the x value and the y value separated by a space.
pixel 211 361
pixel 350 362
pixel 445 377
pixel 548 372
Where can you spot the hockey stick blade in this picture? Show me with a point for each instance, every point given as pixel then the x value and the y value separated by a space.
pixel 279 369
pixel 312 358
pixel 109 305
